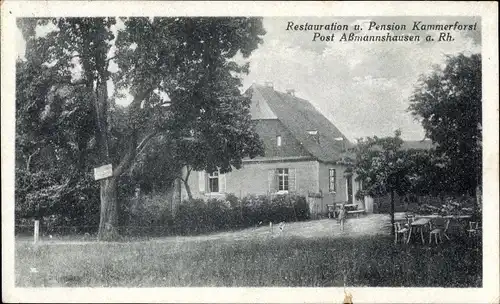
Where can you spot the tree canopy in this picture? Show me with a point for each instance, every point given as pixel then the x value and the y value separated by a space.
pixel 179 73
pixel 54 148
pixel 448 103
pixel 385 167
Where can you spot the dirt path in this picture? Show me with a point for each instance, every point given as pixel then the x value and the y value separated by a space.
pixel 372 224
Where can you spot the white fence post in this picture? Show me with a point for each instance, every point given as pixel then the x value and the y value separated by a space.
pixel 36 231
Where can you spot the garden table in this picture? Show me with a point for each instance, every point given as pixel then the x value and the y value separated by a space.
pixel 418 225
pixel 430 216
pixel 462 221
pixel 460 217
pixel 356 212
pixel 350 205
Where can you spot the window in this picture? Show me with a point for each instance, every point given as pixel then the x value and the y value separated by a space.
pixel 333 180
pixel 278 140
pixel 213 182
pixel 313 134
pixel 360 185
pixel 282 179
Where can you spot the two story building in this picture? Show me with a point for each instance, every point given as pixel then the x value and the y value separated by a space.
pixel 303 155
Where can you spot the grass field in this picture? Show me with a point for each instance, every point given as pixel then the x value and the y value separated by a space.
pixel 314 253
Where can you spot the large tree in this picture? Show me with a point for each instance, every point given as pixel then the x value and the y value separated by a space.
pixel 385 168
pixel 54 147
pixel 183 83
pixel 448 104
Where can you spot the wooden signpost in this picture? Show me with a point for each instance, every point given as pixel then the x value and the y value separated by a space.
pixel 36 231
pixel 103 172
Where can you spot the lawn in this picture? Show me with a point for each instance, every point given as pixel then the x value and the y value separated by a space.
pixel 311 253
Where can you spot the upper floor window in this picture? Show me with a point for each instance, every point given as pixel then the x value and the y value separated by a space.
pixel 278 140
pixel 332 180
pixel 213 182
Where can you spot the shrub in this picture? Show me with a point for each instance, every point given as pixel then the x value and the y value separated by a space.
pixel 63 203
pixel 198 216
pixel 255 209
pixel 190 216
pixel 280 208
pixel 233 200
pixel 148 214
pixel 301 208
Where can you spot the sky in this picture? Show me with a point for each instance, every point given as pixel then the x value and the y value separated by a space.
pixel 362 87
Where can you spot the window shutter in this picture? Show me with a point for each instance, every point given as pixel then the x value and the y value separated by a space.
pixel 201 181
pixel 222 183
pixel 271 180
pixel 292 181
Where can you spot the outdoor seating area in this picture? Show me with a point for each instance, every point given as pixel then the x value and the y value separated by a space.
pixel 356 212
pixel 438 230
pixel 413 227
pixel 351 209
pixel 400 230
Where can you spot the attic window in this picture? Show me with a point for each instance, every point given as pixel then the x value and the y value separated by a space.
pixel 314 135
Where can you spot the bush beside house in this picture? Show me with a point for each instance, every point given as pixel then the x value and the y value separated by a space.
pixel 199 216
pixel 151 215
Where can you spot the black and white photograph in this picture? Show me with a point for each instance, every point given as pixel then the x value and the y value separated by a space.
pixel 243 150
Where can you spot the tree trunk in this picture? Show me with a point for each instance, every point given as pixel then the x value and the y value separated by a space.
pixel 188 189
pixel 176 197
pixel 185 179
pixel 392 213
pixel 108 226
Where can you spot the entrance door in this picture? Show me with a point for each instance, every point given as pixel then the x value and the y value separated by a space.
pixel 349 189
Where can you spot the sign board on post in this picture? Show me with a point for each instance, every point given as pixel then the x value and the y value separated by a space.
pixel 103 172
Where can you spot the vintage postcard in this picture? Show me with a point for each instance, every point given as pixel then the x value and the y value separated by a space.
pixel 250 152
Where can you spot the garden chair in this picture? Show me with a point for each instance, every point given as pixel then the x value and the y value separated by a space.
pixel 439 231
pixel 409 219
pixel 473 228
pixel 399 230
pixel 331 211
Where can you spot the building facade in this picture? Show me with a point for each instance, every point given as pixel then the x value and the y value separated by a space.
pixel 303 153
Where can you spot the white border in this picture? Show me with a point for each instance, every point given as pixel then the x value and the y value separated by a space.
pixel 487 10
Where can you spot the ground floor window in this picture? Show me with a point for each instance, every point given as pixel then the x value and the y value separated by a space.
pixel 282 179
pixel 332 181
pixel 360 185
pixel 213 182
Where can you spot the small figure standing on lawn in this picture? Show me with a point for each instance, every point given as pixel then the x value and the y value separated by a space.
pixel 342 216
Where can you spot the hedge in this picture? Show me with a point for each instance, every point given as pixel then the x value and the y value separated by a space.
pixel 198 216
pixel 151 215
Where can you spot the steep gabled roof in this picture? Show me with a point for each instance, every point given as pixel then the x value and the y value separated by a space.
pixel 313 131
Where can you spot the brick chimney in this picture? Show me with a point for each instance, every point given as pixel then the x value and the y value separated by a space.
pixel 269 84
pixel 290 92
